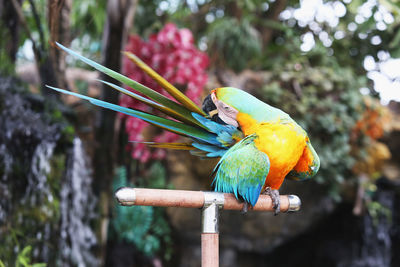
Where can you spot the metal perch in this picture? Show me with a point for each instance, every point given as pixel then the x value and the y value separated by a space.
pixel 210 202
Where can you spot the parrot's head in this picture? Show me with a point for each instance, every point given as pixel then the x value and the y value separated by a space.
pixel 225 103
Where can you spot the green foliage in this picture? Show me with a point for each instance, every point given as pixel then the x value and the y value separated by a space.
pixel 30 220
pixel 146 18
pixel 145 227
pixel 41 9
pixel 24 259
pixel 235 42
pixel 7 67
pixel 82 87
pixel 87 40
pixel 376 210
pixel 92 14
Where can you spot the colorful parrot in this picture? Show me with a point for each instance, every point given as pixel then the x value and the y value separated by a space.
pixel 258 145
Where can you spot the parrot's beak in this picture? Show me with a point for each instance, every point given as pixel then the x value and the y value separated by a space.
pixel 209 106
pixel 213 112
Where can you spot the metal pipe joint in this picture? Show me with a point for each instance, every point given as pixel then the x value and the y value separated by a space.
pixel 213 202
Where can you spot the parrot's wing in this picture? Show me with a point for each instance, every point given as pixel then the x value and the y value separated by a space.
pixel 307 166
pixel 226 135
pixel 242 170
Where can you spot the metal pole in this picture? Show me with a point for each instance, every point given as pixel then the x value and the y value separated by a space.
pixel 213 202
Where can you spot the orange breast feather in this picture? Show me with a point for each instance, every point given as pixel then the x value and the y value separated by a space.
pixel 283 144
pixel 305 161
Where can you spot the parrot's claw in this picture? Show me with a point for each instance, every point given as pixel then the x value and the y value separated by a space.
pixel 274 194
pixel 245 208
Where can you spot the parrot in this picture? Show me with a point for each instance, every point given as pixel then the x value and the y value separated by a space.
pixel 258 145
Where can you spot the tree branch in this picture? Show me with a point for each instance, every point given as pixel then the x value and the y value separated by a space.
pixel 22 20
pixel 119 14
pixel 43 61
pixel 38 24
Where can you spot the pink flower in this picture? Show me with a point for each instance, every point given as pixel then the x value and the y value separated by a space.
pixel 170 52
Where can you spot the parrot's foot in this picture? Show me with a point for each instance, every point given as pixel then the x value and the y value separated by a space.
pixel 245 208
pixel 274 194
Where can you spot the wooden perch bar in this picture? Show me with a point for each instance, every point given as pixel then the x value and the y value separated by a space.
pixel 209 202
pixel 196 199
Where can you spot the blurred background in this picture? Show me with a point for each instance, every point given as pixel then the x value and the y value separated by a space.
pixel 332 65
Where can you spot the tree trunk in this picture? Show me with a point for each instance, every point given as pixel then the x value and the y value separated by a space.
pixel 9 29
pixel 43 61
pixel 59 12
pixel 120 15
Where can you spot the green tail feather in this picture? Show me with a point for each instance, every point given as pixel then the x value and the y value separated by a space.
pixel 165 110
pixel 167 124
pixel 150 93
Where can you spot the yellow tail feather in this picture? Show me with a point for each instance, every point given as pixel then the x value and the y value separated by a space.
pixel 172 90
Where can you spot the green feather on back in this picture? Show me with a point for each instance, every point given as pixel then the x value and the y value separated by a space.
pixel 242 170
